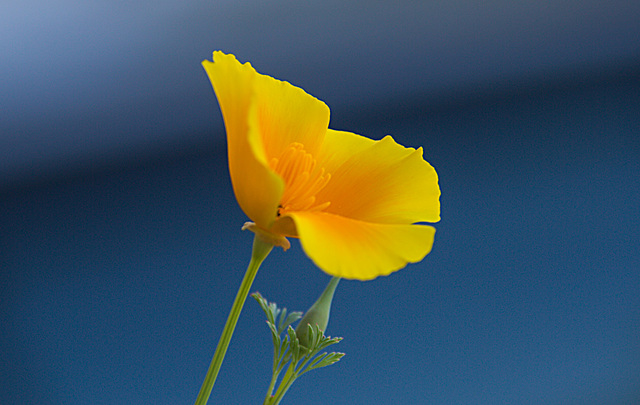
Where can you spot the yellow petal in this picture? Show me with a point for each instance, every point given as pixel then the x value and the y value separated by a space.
pixel 257 188
pixel 379 181
pixel 354 249
pixel 263 116
pixel 340 146
pixel 283 114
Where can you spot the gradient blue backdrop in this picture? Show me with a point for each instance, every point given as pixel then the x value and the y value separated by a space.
pixel 118 269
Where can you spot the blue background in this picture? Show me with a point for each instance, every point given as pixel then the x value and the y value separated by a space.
pixel 121 248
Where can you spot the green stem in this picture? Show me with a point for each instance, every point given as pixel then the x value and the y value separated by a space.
pixel 274 377
pixel 287 381
pixel 277 368
pixel 260 251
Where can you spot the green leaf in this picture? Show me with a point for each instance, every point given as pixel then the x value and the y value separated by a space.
pixel 288 351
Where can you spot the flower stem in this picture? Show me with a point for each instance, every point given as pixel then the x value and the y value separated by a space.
pixel 260 251
pixel 287 381
pixel 272 384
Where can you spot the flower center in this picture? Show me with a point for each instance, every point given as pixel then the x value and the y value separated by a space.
pixel 302 179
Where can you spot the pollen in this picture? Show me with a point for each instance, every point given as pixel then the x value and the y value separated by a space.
pixel 303 180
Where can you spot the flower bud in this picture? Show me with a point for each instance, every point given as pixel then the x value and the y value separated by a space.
pixel 318 314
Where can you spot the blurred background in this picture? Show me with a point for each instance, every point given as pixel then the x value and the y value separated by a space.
pixel 120 241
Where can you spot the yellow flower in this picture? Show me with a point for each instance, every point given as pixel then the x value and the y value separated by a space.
pixel 353 202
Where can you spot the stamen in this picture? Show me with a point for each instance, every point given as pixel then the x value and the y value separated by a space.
pixel 303 180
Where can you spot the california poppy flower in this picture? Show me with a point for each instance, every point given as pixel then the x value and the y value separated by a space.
pixel 354 203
